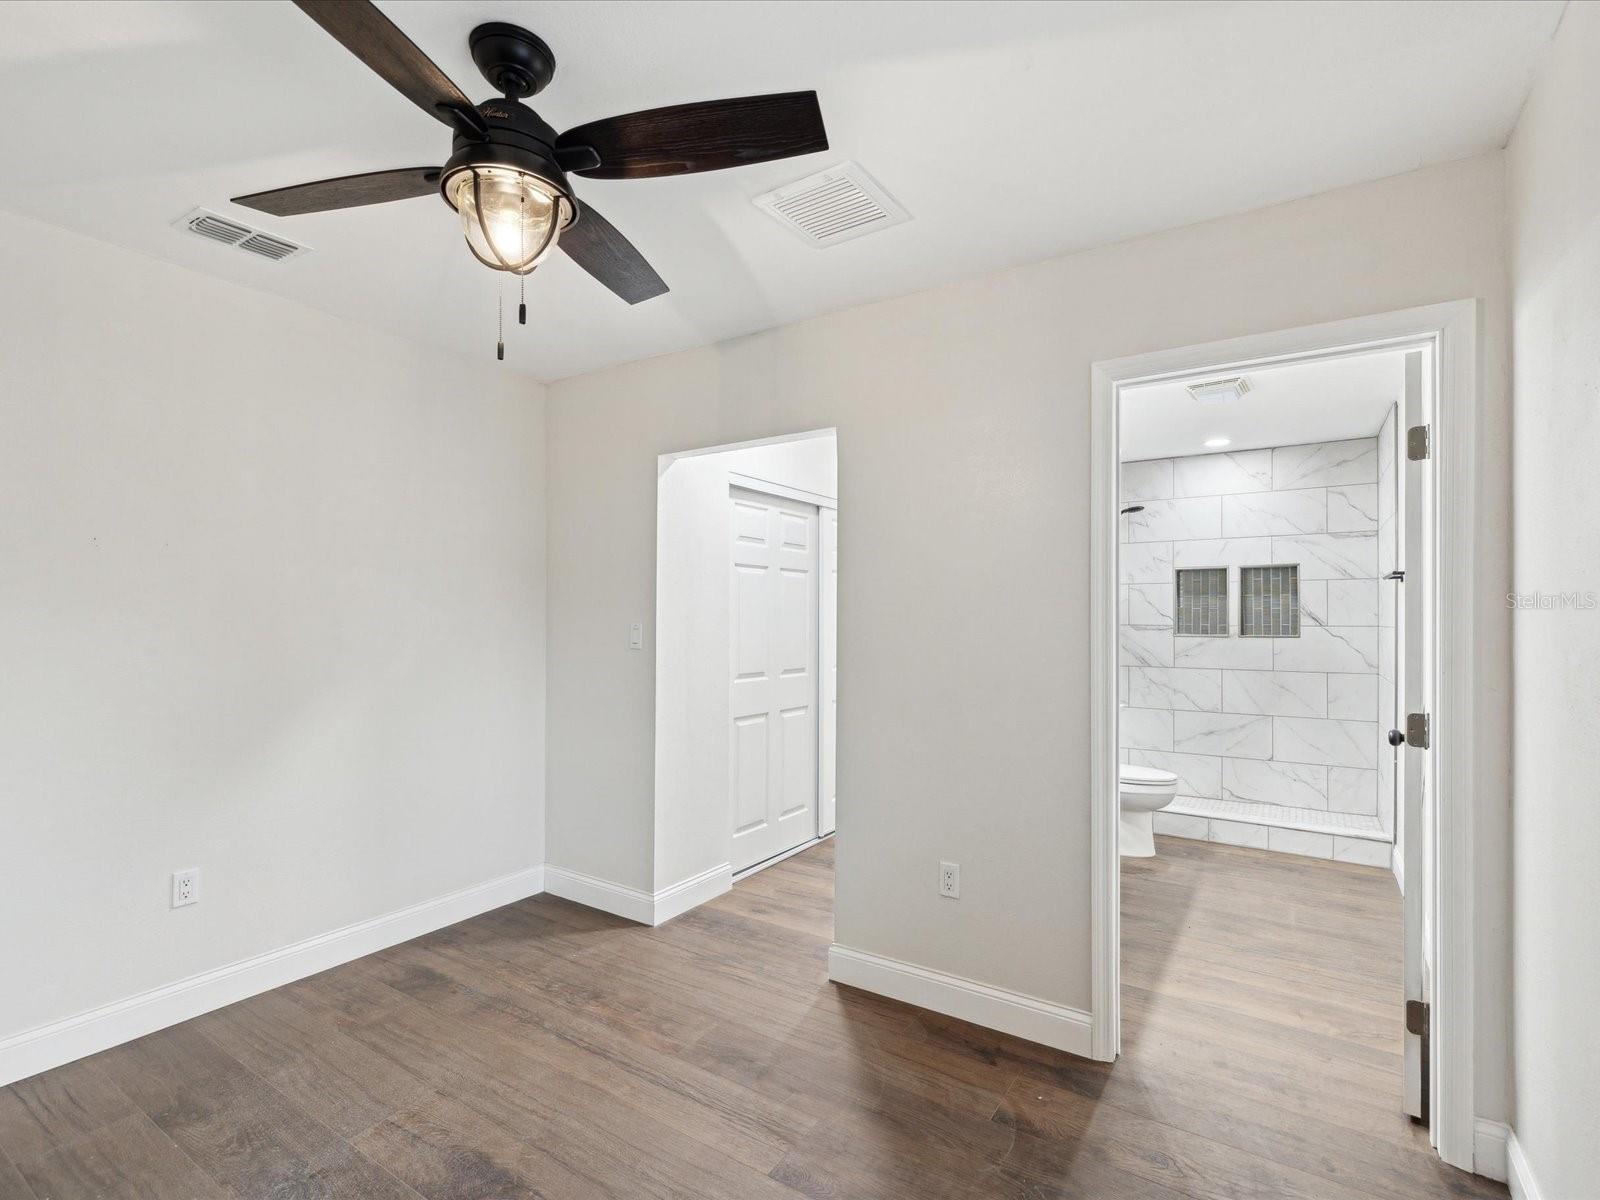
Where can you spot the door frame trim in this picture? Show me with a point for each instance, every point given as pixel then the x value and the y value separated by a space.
pixel 1451 330
pixel 754 483
pixel 827 590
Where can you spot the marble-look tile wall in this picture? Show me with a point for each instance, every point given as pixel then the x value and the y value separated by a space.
pixel 1282 721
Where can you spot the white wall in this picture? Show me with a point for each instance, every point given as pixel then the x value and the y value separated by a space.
pixel 693 811
pixel 963 421
pixel 271 605
pixel 1554 167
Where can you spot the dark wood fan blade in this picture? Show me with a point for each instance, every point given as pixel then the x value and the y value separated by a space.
pixel 364 31
pixel 710 136
pixel 348 191
pixel 595 245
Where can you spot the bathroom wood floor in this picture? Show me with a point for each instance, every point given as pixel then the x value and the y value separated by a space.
pixel 545 1050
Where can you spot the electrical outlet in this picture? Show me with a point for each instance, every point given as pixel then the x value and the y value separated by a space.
pixel 185 887
pixel 950 880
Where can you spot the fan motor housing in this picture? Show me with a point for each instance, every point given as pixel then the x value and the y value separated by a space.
pixel 514 61
pixel 518 138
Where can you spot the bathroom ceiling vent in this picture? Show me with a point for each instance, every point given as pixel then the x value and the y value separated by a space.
pixel 1219 391
pixel 204 223
pixel 833 206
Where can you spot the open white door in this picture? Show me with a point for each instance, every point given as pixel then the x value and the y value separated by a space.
pixel 830 670
pixel 1413 773
pixel 772 696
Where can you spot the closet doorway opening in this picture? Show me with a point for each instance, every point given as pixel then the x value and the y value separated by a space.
pixel 746 655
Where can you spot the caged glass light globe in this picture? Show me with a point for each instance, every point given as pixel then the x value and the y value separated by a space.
pixel 512 219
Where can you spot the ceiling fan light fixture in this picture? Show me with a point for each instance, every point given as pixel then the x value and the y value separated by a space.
pixel 507 172
pixel 512 218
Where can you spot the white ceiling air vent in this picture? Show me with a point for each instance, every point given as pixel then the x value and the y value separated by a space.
pixel 1219 391
pixel 215 228
pixel 271 247
pixel 204 223
pixel 833 206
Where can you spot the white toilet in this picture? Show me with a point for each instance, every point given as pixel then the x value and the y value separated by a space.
pixel 1144 791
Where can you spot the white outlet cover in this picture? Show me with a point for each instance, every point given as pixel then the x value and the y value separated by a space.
pixel 950 879
pixel 185 887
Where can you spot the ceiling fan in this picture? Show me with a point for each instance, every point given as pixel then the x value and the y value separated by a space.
pixel 507 172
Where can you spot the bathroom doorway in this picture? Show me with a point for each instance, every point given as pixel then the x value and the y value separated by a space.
pixel 1271 827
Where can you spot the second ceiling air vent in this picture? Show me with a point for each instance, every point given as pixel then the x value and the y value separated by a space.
pixel 833 206
pixel 1219 391
pixel 271 247
pixel 218 229
pixel 204 223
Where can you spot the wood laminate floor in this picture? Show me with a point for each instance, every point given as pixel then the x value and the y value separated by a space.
pixel 546 1050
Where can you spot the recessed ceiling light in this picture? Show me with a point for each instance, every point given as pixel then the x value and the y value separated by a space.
pixel 1219 391
pixel 1217 443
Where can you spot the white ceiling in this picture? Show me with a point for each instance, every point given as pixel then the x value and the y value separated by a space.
pixel 1012 132
pixel 1325 400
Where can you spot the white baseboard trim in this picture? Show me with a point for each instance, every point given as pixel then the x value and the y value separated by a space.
pixel 692 892
pixel 593 892
pixel 1010 1012
pixel 1489 1140
pixel 1519 1174
pixel 635 904
pixel 46 1046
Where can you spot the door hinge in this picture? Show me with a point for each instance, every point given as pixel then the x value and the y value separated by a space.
pixel 1418 443
pixel 1417 730
pixel 1417 1017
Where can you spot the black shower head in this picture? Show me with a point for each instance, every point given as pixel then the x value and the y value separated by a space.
pixel 1133 508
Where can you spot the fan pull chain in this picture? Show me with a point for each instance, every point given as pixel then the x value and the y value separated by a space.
pixel 500 321
pixel 522 280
